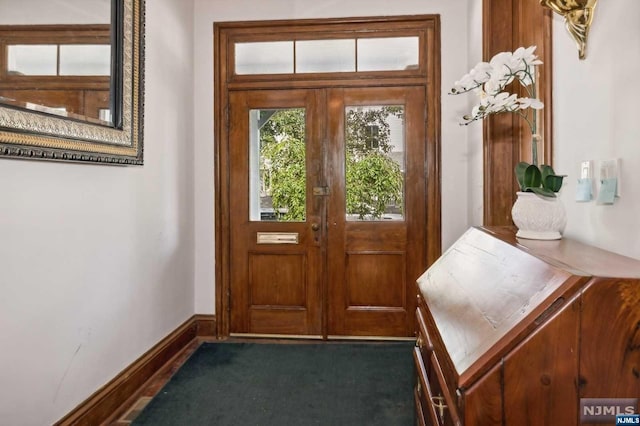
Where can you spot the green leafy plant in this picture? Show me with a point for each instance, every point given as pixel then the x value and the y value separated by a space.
pixel 489 81
pixel 374 181
pixel 288 192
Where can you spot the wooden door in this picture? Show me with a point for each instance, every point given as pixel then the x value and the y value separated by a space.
pixel 276 261
pixel 346 264
pixel 373 262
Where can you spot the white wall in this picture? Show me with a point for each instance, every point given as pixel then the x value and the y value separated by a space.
pixel 96 262
pixel 474 131
pixel 596 118
pixel 454 137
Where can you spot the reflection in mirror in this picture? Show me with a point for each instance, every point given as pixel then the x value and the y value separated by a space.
pixel 56 58
pixel 76 114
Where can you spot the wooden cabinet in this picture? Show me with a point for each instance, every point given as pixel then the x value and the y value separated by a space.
pixel 514 332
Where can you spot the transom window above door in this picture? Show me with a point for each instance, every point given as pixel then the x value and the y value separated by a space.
pixel 303 52
pixel 327 56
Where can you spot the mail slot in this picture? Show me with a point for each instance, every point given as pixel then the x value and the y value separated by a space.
pixel 277 238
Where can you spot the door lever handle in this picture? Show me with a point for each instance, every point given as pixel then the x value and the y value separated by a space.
pixel 315 227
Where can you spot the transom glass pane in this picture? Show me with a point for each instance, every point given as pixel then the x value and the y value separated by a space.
pixel 374 162
pixel 25 59
pixel 387 54
pixel 271 57
pixel 277 165
pixel 85 59
pixel 326 56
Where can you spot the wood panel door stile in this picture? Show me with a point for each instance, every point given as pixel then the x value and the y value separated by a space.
pixel 344 277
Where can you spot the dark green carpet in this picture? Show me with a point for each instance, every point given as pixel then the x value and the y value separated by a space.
pixel 289 384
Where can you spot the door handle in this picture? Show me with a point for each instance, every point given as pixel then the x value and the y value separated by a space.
pixel 315 227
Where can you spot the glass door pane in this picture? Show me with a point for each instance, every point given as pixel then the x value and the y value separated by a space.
pixel 375 162
pixel 277 169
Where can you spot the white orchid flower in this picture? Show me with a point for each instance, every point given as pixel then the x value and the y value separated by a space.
pixel 483 71
pixel 524 103
pixel 476 77
pixel 494 86
pixel 502 102
pixel 489 81
pixel 500 59
pixel 527 56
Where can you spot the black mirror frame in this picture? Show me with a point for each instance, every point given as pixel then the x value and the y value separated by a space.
pixel 30 135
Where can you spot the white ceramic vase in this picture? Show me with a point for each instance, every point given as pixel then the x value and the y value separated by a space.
pixel 537 217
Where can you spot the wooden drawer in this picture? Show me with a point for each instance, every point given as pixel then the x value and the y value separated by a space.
pixel 425 411
pixel 433 407
pixel 423 340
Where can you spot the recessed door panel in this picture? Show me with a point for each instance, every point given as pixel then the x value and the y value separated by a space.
pixel 284 286
pixel 373 279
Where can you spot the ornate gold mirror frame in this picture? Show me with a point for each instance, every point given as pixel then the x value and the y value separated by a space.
pixel 578 15
pixel 31 135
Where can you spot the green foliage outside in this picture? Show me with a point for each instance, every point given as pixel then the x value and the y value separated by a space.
pixel 374 181
pixel 283 150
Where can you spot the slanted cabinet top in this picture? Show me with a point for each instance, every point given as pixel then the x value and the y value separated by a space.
pixel 484 292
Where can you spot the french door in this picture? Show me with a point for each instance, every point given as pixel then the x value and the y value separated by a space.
pixel 327 210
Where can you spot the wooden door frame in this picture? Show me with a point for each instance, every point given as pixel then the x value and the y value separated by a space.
pixel 507 25
pixel 427 76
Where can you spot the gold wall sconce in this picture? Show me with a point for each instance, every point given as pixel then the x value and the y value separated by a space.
pixel 578 15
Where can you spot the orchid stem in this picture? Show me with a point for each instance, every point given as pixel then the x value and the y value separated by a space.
pixel 534 128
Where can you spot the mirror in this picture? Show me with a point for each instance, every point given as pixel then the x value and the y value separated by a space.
pixel 71 80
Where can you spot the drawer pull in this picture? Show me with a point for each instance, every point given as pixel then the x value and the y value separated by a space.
pixel 438 402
